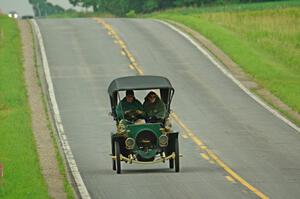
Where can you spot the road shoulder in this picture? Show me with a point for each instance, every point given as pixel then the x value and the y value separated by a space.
pixel 42 134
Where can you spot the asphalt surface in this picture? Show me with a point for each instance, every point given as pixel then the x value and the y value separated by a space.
pixel 84 59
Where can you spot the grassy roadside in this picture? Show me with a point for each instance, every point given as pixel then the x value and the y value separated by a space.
pixel 22 175
pixel 264 42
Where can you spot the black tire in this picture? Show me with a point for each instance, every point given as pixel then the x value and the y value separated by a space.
pixel 113 153
pixel 176 147
pixel 171 163
pixel 118 158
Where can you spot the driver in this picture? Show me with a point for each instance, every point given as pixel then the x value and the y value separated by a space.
pixel 129 107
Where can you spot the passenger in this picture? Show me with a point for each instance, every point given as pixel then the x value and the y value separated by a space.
pixel 130 108
pixel 154 108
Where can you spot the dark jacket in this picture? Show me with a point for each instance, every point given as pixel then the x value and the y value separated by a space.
pixel 126 106
pixel 156 109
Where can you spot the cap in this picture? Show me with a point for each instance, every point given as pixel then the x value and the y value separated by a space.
pixel 129 92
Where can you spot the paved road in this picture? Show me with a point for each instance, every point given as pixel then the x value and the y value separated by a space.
pixel 83 60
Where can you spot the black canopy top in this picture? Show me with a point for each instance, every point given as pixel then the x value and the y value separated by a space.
pixel 139 83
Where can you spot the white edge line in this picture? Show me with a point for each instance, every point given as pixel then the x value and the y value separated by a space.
pixel 230 76
pixel 57 118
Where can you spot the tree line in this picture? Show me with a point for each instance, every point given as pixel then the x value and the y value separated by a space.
pixel 44 8
pixel 121 7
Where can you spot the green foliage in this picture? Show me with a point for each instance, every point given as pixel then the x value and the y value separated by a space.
pixel 22 175
pixel 150 5
pixel 131 14
pixel 44 8
pixel 264 42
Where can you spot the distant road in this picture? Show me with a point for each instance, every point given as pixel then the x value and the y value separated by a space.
pixel 259 147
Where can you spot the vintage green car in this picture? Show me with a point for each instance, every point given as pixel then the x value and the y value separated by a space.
pixel 147 142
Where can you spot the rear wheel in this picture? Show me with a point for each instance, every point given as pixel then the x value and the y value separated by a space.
pixel 176 147
pixel 171 163
pixel 113 153
pixel 118 156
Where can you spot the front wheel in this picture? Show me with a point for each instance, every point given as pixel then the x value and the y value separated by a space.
pixel 176 147
pixel 118 156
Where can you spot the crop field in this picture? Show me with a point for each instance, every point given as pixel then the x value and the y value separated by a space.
pixel 264 39
pixel 238 7
pixel 22 176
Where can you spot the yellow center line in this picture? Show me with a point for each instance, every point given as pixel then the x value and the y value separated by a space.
pixel 184 136
pixel 131 66
pixel 122 45
pixel 214 157
pixel 230 179
pixel 204 156
pixel 209 154
pixel 211 162
pixel 188 131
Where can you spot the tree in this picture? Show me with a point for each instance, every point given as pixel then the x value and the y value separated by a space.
pixel 74 2
pixel 150 5
pixel 44 8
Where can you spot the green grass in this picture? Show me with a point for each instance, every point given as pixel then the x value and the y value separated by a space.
pixel 234 7
pixel 22 175
pixel 264 41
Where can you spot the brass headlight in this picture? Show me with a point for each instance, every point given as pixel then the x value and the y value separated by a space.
pixel 163 140
pixel 129 142
pixel 121 127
